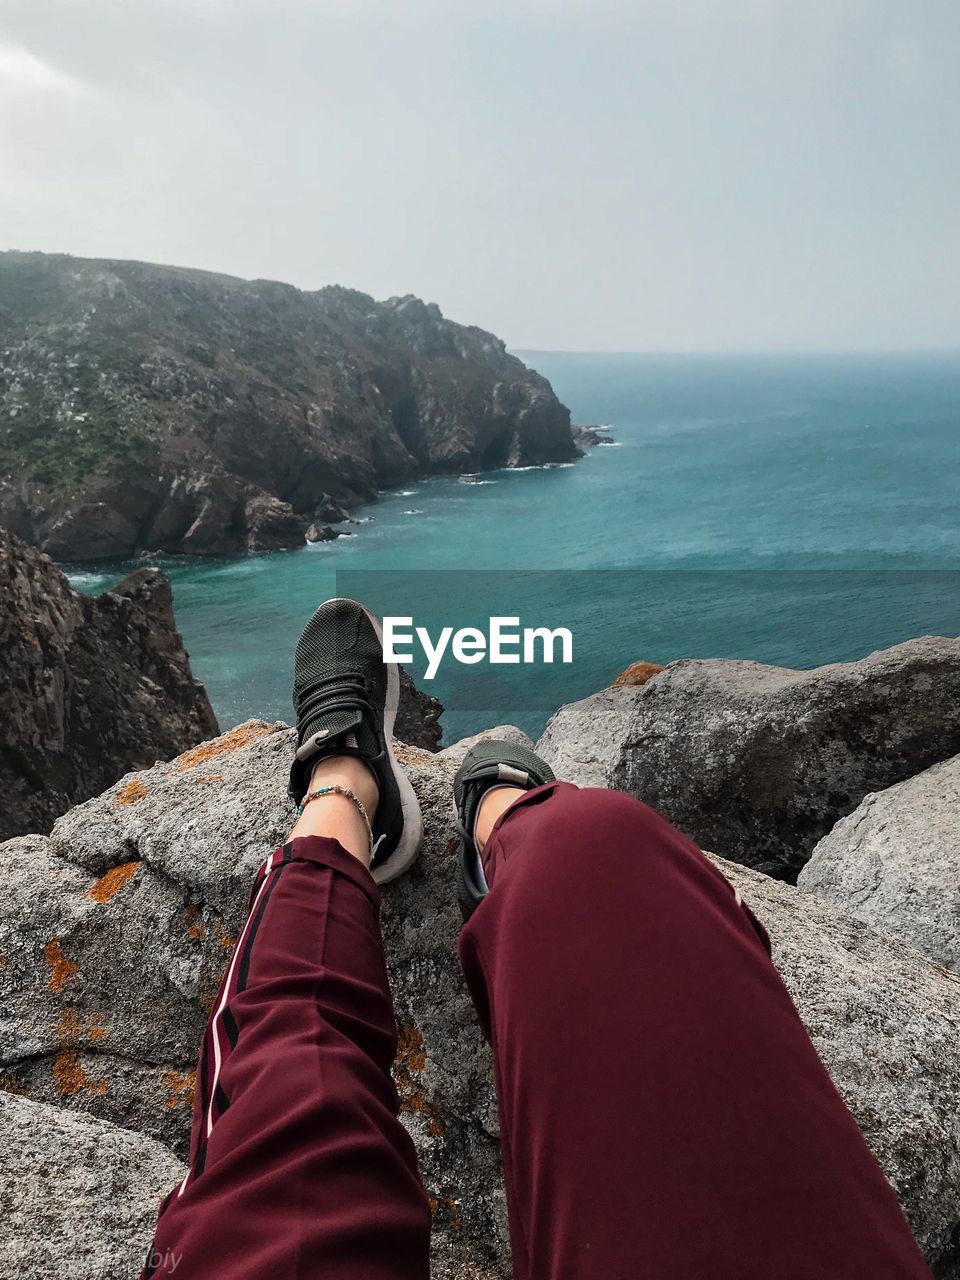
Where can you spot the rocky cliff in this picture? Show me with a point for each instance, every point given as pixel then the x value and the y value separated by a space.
pixel 146 407
pixel 89 686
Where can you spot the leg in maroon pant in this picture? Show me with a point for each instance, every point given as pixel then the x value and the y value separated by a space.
pixel 664 1115
pixel 299 1166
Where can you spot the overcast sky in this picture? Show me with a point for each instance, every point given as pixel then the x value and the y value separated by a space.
pixel 574 174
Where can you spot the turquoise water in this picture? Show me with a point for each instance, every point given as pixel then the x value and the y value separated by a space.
pixel 795 510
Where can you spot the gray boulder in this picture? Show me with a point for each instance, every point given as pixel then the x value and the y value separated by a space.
pixel 271 524
pixel 885 1022
pixel 762 761
pixel 78 1196
pixel 117 927
pixel 895 863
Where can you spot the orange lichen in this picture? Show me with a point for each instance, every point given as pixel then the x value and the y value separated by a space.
pixel 131 793
pixel 206 1001
pixel 453 1207
pixel 410 1061
pixel 411 755
pixel 202 779
pixel 70 1077
pixel 71 1030
pixel 3 962
pixel 452 845
pixel 411 1055
pixel 226 940
pixel 68 1028
pixel 102 890
pixel 637 673
pixel 61 969
pixel 447 1211
pixel 96 1031
pixel 242 736
pixel 180 1087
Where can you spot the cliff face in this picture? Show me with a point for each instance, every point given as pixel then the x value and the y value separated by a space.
pixel 89 686
pixel 146 407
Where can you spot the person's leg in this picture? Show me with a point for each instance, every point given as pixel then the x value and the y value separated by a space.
pixel 299 1166
pixel 663 1111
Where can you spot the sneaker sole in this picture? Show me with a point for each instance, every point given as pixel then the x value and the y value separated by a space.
pixel 411 838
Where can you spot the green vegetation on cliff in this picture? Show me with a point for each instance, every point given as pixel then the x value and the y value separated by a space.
pixel 148 407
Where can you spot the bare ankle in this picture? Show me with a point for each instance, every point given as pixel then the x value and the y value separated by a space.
pixel 336 814
pixel 350 772
pixel 493 804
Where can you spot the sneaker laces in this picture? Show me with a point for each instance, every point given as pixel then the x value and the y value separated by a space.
pixel 346 691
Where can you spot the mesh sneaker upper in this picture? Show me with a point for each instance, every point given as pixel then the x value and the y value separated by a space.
pixel 339 686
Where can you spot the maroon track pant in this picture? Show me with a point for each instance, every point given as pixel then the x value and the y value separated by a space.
pixel 664 1115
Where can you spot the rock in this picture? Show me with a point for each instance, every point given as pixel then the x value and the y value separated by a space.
pixel 272 525
pixel 329 511
pixel 761 761
pixel 418 716
pixel 636 674
pixel 215 528
pixel 77 1196
pixel 89 532
pixel 323 533
pixel 885 1022
pixel 150 405
pixel 585 437
pixel 92 686
pixel 894 863
pixel 117 927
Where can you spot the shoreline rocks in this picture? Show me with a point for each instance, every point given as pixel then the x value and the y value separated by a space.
pixel 324 533
pixel 588 437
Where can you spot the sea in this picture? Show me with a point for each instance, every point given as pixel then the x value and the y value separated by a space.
pixel 795 510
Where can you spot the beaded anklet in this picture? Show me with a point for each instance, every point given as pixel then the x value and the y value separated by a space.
pixel 337 790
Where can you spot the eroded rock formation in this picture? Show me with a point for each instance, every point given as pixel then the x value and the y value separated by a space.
pixel 89 686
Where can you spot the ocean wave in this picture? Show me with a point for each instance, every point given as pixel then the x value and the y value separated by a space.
pixel 413 511
pixel 607 444
pixel 82 579
pixel 407 493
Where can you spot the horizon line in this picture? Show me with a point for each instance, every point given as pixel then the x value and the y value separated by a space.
pixel 715 352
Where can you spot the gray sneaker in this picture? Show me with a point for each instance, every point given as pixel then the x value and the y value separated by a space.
pixel 491 763
pixel 345 697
